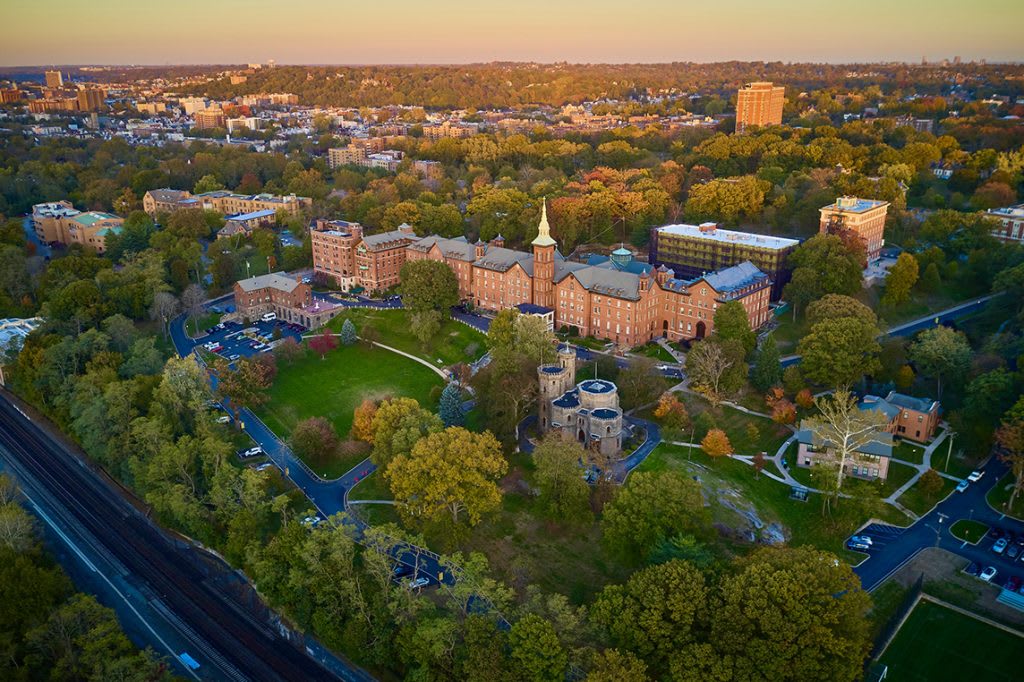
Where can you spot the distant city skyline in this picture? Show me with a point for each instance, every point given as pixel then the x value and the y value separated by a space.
pixel 464 31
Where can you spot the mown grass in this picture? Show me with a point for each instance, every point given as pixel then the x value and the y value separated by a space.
pixel 805 521
pixel 936 643
pixel 968 531
pixel 454 342
pixel 999 497
pixel 335 386
pixel 768 437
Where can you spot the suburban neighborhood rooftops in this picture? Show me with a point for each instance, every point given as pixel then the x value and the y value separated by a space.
pixel 710 232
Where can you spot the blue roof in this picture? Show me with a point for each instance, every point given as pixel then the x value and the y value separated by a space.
pixel 551 369
pixel 597 386
pixel 567 400
pixel 531 309
pixel 604 413
pixel 634 267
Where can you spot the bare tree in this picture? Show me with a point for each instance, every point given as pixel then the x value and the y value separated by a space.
pixel 192 301
pixel 164 308
pixel 707 364
pixel 842 430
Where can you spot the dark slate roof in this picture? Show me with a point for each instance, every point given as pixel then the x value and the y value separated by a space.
pixel 881 446
pixel 909 402
pixel 500 259
pixel 168 194
pixel 387 240
pixel 735 277
pixel 531 309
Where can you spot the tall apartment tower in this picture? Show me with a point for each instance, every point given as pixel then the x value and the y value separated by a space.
pixel 759 104
pixel 54 79
pixel 544 262
pixel 864 217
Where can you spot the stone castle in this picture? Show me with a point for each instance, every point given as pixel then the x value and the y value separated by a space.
pixel 588 411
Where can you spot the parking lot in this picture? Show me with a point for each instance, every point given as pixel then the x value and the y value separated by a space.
pixel 233 340
pixel 880 535
pixel 1004 552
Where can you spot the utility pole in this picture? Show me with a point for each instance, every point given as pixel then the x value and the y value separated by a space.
pixel 952 435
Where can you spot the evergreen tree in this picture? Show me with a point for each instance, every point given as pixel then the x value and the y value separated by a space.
pixel 767 370
pixel 450 409
pixel 348 332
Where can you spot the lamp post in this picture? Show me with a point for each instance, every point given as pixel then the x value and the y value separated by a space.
pixel 952 435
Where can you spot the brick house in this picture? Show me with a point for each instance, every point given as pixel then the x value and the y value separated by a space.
pixel 909 417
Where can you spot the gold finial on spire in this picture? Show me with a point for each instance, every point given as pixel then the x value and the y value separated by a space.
pixel 543 229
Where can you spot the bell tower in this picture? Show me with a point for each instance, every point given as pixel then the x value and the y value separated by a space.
pixel 544 262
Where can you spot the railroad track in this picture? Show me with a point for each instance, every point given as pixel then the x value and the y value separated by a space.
pixel 242 647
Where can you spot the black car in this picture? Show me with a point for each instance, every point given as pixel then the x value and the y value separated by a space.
pixel 995 533
pixel 972 569
pixel 401 570
pixel 1012 551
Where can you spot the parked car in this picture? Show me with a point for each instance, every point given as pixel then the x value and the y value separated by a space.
pixel 417 583
pixel 866 539
pixel 1013 584
pixel 1000 546
pixel 1013 551
pixel 233 357
pixel 962 485
pixel 311 521
pixel 995 533
pixel 264 466
pixel 253 451
pixel 988 573
pixel 223 419
pixel 401 570
pixel 972 569
pixel 858 546
pixel 975 475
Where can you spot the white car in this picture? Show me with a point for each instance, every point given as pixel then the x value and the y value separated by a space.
pixel 311 521
pixel 975 475
pixel 264 466
pixel 962 485
pixel 223 419
pixel 417 583
pixel 863 539
pixel 1000 545
pixel 988 573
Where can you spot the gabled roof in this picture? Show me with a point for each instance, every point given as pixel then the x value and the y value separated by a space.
pixel 275 280
pixel 601 280
pixel 168 194
pixel 735 277
pixel 909 402
pixel 500 259
pixel 386 240
pixel 880 446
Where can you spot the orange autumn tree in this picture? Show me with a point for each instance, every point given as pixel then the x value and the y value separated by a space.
pixel 716 443
pixel 362 421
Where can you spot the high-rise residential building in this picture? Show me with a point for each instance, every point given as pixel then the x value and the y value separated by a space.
pixel 759 104
pixel 210 118
pixel 54 79
pixel 694 250
pixel 864 217
pixel 92 99
pixel 10 95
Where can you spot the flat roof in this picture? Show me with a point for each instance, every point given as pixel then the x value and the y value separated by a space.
pixel 265 213
pixel 729 236
pixel 855 204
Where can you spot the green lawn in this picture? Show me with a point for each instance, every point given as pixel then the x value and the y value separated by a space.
pixel 454 343
pixel 195 328
pixel 653 350
pixel 919 502
pixel 335 386
pixel 999 496
pixel 936 643
pixel 769 437
pixel 969 531
pixel 909 453
pixel 804 520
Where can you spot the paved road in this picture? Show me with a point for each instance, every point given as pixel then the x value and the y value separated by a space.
pixel 932 530
pixel 921 323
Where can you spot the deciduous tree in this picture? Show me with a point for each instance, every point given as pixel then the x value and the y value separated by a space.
pixel 901 279
pixel 941 352
pixel 450 473
pixel 536 651
pixel 314 439
pixel 398 424
pixel 563 492
pixel 323 343
pixel 429 285
pixel 732 323
pixel 716 444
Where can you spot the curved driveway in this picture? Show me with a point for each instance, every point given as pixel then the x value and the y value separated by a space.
pixel 932 530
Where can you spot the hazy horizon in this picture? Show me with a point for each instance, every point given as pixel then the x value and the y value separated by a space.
pixel 457 32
